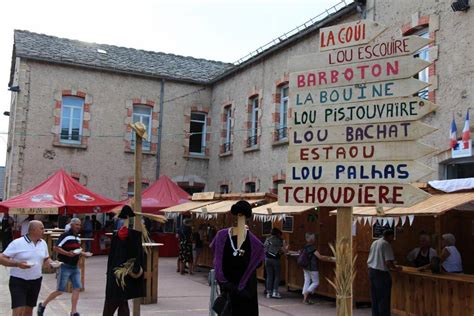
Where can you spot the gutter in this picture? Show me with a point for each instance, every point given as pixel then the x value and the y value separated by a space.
pixel 342 12
pixel 160 129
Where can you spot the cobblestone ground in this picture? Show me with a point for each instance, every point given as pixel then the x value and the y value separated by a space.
pixel 177 295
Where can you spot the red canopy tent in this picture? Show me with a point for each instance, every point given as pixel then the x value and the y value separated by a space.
pixel 162 194
pixel 59 194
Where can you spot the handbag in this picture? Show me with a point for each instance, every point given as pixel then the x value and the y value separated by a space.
pixel 222 305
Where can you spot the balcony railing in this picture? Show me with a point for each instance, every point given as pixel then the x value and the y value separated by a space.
pixel 198 153
pixel 70 138
pixel 226 147
pixel 146 145
pixel 252 141
pixel 281 133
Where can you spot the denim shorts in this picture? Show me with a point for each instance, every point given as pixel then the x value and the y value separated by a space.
pixel 67 272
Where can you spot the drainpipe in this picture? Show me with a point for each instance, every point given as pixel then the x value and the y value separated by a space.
pixel 160 129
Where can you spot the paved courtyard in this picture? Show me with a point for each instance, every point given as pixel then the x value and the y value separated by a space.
pixel 177 295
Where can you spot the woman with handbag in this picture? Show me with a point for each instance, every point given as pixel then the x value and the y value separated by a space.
pixel 274 247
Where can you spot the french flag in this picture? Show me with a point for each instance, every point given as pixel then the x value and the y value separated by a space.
pixel 453 134
pixel 466 133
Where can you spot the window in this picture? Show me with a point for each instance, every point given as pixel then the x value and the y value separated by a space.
pixel 142 114
pixel 224 189
pixel 461 168
pixel 424 54
pixel 131 188
pixel 197 139
pixel 282 128
pixel 253 133
pixel 71 119
pixel 228 125
pixel 275 185
pixel 250 187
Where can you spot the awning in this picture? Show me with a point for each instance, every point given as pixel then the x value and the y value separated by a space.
pixel 273 211
pixel 60 193
pixel 221 207
pixel 186 207
pixel 435 205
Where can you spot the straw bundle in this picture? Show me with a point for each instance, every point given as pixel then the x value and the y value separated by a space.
pixel 122 271
pixel 344 275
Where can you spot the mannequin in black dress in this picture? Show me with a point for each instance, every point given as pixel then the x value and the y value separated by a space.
pixel 236 266
pixel 244 302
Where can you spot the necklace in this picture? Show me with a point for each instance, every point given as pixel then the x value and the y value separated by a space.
pixel 237 251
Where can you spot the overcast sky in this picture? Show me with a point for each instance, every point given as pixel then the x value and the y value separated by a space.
pixel 222 30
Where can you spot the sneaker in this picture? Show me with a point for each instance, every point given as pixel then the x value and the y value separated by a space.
pixel 40 309
pixel 75 314
pixel 308 302
pixel 268 295
pixel 276 295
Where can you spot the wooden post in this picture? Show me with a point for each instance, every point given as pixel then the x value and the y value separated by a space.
pixel 344 235
pixel 137 202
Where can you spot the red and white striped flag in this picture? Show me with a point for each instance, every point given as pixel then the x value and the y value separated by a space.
pixel 466 132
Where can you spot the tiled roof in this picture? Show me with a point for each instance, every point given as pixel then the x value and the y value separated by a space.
pixel 113 58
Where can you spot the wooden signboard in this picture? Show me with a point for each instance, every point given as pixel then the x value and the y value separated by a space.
pixel 380 48
pixel 349 34
pixel 356 172
pixel 361 133
pixel 357 93
pixel 33 211
pixel 370 71
pixel 408 150
pixel 203 196
pixel 389 110
pixel 340 195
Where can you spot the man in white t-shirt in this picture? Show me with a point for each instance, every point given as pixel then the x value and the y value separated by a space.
pixel 381 261
pixel 26 255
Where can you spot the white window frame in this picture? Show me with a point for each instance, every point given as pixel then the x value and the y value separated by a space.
pixel 203 135
pixel 141 116
pixel 254 122
pixel 424 53
pixel 72 109
pixel 228 123
pixel 284 108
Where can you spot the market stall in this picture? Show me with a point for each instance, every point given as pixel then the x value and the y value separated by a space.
pixel 210 212
pixel 162 194
pixel 439 214
pixel 59 194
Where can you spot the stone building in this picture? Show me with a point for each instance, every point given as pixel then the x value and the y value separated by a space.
pixel 214 126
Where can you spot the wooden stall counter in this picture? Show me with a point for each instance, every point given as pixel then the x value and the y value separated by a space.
pixel 151 273
pixel 424 293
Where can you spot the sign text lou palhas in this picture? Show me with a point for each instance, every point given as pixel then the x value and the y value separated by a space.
pixel 354 122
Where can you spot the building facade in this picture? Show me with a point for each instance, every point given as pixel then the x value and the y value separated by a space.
pixel 213 126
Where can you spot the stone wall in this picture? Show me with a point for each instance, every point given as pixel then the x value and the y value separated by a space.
pixel 104 159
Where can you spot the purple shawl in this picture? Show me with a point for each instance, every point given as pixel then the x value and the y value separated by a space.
pixel 256 257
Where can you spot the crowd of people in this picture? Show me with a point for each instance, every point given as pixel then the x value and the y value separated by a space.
pixel 28 254
pixel 382 260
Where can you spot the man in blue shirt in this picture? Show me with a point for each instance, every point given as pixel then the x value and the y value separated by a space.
pixel 69 249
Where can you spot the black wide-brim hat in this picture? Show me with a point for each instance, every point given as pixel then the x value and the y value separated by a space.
pixel 241 207
pixel 126 212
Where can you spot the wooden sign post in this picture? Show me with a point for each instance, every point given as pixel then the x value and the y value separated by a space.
pixel 354 126
pixel 140 132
